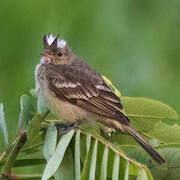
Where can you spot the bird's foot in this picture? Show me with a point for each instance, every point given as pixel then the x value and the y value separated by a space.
pixel 66 127
pixel 107 131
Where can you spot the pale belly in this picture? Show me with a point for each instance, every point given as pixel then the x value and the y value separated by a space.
pixel 63 109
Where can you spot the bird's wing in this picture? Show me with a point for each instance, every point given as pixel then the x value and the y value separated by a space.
pixel 84 87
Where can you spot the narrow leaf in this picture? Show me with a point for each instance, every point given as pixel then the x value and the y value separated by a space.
pixel 77 156
pixel 66 169
pixel 115 174
pixel 57 157
pixel 142 175
pixel 104 164
pixel 87 162
pixel 148 174
pixel 50 141
pixel 133 170
pixel 126 168
pixel 3 125
pixel 88 143
pixel 126 175
pixel 93 162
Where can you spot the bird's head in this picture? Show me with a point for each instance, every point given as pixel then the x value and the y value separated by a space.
pixel 56 50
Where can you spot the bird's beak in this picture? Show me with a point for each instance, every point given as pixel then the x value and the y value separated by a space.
pixel 46 54
pixel 47 57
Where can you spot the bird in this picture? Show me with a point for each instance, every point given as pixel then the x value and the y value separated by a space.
pixel 76 93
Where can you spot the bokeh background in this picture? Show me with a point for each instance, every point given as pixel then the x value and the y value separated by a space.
pixel 134 43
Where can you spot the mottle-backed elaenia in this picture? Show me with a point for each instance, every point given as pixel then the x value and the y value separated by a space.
pixel 77 93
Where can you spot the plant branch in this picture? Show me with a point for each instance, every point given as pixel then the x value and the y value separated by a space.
pixel 24 177
pixel 2 156
pixel 13 154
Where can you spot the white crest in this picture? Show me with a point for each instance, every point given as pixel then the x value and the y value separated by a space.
pixel 60 42
pixel 50 38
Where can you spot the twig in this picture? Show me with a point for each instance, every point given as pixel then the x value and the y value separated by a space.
pixel 24 177
pixel 12 157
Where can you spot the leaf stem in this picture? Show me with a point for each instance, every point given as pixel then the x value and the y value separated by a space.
pixel 43 116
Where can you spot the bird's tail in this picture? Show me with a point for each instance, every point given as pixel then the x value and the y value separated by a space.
pixel 148 148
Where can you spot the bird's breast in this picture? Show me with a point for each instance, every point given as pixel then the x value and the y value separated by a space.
pixel 63 109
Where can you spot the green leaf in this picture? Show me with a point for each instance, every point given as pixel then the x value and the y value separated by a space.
pixel 77 156
pixel 50 141
pixel 115 174
pixel 57 157
pixel 41 107
pixel 133 170
pixel 154 142
pixel 93 162
pixel 27 111
pixel 165 133
pixel 136 153
pixel 171 169
pixel 3 125
pixel 34 126
pixel 104 164
pixel 34 134
pixel 83 149
pixel 144 113
pixel 66 169
pixel 34 93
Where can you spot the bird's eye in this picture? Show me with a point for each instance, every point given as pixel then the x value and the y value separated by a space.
pixel 59 54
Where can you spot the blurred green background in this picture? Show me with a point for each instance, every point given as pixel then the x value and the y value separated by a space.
pixel 134 43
